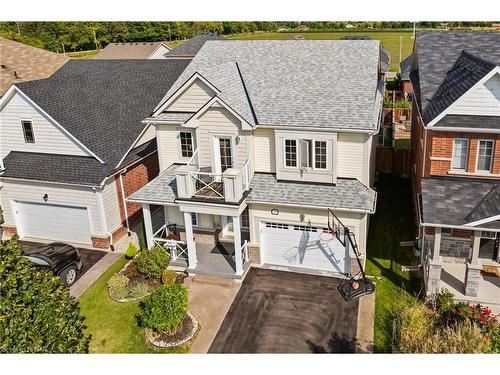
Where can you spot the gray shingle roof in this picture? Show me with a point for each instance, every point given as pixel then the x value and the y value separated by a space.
pixel 385 57
pixel 465 73
pixel 345 194
pixel 190 47
pixel 331 84
pixel 458 201
pixel 69 169
pixel 102 102
pixel 162 189
pixel 132 50
pixel 405 67
pixel 437 51
pixel 177 117
pixel 470 121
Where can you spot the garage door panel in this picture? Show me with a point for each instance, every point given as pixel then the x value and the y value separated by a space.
pixel 301 246
pixel 54 222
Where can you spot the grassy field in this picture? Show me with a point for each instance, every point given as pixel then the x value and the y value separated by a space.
pixel 389 39
pixel 113 325
pixel 82 54
pixel 392 223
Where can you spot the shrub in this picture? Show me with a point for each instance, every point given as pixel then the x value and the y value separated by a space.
pixel 168 277
pixel 131 271
pixel 151 263
pixel 37 313
pixel 132 251
pixel 165 309
pixel 139 290
pixel 118 286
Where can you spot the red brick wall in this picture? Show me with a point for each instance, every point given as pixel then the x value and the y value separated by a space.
pixel 9 231
pixel 417 148
pixel 134 178
pixel 441 146
pixel 407 87
pixel 462 233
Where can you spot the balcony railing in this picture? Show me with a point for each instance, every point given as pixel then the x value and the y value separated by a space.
pixel 229 186
pixel 176 249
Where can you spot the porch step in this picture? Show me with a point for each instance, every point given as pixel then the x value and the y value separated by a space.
pixel 213 280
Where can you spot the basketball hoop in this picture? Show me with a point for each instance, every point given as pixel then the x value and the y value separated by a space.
pixel 327 236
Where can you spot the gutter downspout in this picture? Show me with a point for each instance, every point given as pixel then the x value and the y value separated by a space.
pixel 124 202
pixel 100 201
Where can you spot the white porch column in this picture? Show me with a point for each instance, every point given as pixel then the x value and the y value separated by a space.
pixel 437 243
pixel 165 214
pixel 476 243
pixel 148 225
pixel 238 259
pixel 188 224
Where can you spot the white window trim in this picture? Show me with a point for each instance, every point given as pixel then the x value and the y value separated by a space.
pixel 297 158
pixel 314 155
pixel 195 214
pixel 216 150
pixel 179 144
pixel 466 154
pixel 492 155
pixel 32 131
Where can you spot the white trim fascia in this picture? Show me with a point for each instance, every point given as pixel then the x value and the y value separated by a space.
pixel 46 182
pixel 192 122
pixel 312 206
pixel 156 203
pixel 465 130
pixel 459 227
pixel 316 128
pixel 46 115
pixel 436 119
pixel 162 106
pixel 132 146
pixel 156 49
pixel 161 122
pixel 483 221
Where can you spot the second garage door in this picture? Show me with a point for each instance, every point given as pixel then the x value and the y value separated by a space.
pixel 53 222
pixel 300 246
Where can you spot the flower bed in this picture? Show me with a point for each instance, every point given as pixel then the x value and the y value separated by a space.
pixel 184 333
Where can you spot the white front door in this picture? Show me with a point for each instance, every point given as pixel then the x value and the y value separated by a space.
pixel 223 153
pixel 299 246
pixel 53 222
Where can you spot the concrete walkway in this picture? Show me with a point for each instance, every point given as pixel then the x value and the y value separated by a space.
pixel 366 324
pixel 93 274
pixel 209 300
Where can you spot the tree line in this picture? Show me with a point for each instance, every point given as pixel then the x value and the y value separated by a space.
pixel 81 36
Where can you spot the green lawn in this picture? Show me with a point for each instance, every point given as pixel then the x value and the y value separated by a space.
pixel 392 223
pixel 83 55
pixel 113 325
pixel 389 39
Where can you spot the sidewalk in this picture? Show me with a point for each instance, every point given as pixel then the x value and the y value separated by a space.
pixel 93 274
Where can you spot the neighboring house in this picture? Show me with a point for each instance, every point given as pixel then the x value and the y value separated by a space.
pixel 456 156
pixel 404 69
pixel 20 62
pixel 134 50
pixel 189 48
pixel 385 58
pixel 302 28
pixel 256 141
pixel 72 145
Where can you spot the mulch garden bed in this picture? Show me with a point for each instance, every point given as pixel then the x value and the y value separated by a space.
pixel 185 332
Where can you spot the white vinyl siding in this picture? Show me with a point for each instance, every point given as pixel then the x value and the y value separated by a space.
pixel 351 161
pixel 159 53
pixel 460 149
pixel 220 122
pixel 485 155
pixel 168 145
pixel 148 135
pixel 192 99
pixel 48 138
pixel 111 205
pixel 26 191
pixel 175 216
pixel 264 150
pixel 483 100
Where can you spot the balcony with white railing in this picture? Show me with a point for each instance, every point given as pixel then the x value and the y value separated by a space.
pixel 198 183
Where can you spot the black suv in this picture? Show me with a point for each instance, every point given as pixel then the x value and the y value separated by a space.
pixel 60 258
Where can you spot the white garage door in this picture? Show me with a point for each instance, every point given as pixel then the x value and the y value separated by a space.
pixel 53 222
pixel 300 246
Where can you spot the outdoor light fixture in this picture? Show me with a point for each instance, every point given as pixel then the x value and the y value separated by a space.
pixel 302 217
pixel 46 197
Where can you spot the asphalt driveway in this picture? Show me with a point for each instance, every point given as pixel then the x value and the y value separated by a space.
pixel 89 256
pixel 286 312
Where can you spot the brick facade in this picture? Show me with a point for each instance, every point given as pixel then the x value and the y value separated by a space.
pixel 9 231
pixel 134 178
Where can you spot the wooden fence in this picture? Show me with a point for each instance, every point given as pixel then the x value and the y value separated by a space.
pixel 395 161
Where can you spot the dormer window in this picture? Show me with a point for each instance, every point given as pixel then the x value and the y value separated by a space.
pixel 29 135
pixel 290 153
pixel 186 144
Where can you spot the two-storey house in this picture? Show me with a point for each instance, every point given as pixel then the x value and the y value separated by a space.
pixel 256 141
pixel 72 146
pixel 456 156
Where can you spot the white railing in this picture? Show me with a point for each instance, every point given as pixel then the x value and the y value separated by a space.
pixel 194 159
pixel 209 183
pixel 176 249
pixel 244 252
pixel 246 175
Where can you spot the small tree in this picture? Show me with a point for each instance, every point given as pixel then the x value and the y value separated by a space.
pixel 37 314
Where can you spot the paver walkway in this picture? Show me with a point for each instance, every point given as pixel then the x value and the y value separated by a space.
pixel 209 300
pixel 93 274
